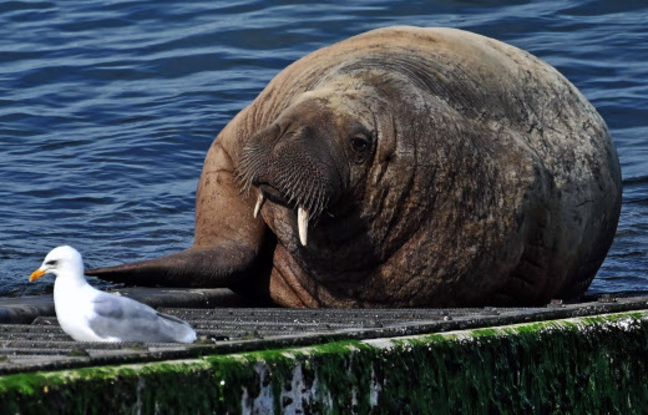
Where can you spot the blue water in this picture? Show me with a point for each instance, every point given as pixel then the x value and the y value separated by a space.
pixel 107 108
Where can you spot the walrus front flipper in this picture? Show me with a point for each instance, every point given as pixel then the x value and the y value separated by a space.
pixel 213 267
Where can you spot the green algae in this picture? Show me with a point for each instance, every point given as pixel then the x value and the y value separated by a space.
pixel 107 389
pixel 583 365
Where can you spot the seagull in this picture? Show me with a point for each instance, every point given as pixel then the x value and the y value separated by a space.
pixel 87 314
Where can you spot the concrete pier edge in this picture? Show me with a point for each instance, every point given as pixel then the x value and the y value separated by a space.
pixel 594 364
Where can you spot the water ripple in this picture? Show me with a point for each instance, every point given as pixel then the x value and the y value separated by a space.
pixel 108 108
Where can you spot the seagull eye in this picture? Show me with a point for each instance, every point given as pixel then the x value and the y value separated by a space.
pixel 51 262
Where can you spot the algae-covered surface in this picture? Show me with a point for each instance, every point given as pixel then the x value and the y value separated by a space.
pixel 580 365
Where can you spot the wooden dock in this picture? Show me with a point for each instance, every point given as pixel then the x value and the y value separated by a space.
pixel 274 360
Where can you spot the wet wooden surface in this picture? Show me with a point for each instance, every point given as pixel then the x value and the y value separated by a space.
pixel 225 324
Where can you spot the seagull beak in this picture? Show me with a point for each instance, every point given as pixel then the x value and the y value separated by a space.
pixel 36 275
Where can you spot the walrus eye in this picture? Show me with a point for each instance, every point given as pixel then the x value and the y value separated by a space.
pixel 360 148
pixel 359 144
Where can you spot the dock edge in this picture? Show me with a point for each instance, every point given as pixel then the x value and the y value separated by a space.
pixel 595 364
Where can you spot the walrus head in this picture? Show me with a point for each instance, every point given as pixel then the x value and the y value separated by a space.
pixel 311 156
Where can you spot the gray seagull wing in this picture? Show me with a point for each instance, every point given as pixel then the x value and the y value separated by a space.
pixel 131 321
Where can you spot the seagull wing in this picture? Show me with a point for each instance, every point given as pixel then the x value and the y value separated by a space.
pixel 123 319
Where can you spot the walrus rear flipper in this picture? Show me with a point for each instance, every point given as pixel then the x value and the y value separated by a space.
pixel 215 267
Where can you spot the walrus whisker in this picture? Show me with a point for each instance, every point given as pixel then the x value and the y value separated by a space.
pixel 244 183
pixel 321 202
pixel 243 174
pixel 308 197
pixel 290 187
pixel 248 168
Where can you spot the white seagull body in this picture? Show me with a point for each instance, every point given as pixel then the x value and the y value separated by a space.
pixel 87 314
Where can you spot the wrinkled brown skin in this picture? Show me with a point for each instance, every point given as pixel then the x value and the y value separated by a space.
pixel 489 180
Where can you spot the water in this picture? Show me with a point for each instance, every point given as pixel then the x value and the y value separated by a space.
pixel 107 108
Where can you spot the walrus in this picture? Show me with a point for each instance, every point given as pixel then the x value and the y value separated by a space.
pixel 404 167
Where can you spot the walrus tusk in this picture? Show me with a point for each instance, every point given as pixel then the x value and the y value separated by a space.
pixel 259 204
pixel 302 225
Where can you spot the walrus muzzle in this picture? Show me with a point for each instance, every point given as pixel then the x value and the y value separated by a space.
pixel 283 170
